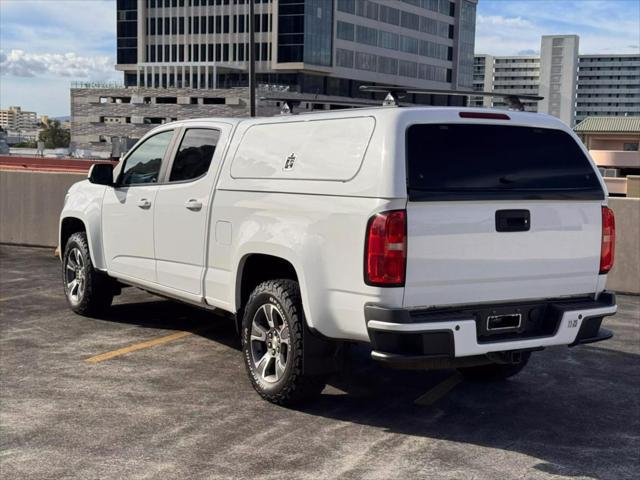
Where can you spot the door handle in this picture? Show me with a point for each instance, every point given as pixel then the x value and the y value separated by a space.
pixel 513 220
pixel 144 203
pixel 193 205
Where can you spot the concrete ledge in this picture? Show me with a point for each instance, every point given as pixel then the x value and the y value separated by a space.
pixel 31 202
pixel 30 205
pixel 625 274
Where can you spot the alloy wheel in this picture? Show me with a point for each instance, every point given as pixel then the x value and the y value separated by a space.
pixel 269 343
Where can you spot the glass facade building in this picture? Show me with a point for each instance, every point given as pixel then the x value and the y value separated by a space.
pixel 311 46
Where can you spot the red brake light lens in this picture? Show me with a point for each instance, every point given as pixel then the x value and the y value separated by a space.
pixel 608 247
pixel 386 249
pixel 485 115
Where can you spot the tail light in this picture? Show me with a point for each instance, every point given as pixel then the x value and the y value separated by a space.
pixel 608 246
pixel 386 249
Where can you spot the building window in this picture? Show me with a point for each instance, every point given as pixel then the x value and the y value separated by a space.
pixel 388 65
pixel 389 15
pixel 347 6
pixel 344 58
pixel 408 69
pixel 345 31
pixel 367 35
pixel 366 61
pixel 410 20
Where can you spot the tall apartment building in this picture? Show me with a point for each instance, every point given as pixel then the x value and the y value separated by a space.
pixel 16 119
pixel 608 85
pixel 573 86
pixel 517 75
pixel 558 70
pixel 313 46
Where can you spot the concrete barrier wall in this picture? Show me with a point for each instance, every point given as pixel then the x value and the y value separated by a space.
pixel 625 274
pixel 30 205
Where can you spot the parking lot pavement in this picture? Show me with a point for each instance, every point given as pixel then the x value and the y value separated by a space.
pixel 182 407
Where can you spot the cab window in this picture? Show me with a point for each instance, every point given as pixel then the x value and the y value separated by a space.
pixel 143 165
pixel 194 155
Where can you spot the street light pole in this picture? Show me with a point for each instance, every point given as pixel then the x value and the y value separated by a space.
pixel 252 59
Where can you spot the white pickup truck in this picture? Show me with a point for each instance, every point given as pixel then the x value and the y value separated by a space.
pixel 441 237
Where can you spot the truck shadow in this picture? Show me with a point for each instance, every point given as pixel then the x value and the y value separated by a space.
pixel 576 410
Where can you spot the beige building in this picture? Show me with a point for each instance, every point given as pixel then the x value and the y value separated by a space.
pixel 16 119
pixel 613 144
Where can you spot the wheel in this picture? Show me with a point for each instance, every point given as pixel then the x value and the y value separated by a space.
pixel 272 344
pixel 495 371
pixel 88 291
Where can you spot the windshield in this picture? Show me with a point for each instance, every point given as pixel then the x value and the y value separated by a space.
pixel 466 162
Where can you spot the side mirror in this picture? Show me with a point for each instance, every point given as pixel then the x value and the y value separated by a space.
pixel 101 174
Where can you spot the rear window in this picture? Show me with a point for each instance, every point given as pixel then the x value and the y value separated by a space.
pixel 467 162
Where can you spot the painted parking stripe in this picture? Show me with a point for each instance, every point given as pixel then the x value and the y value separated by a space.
pixel 137 346
pixel 440 390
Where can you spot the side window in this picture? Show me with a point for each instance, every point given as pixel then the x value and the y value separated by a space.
pixel 194 155
pixel 143 165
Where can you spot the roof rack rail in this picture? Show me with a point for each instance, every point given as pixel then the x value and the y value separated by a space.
pixel 289 103
pixel 514 101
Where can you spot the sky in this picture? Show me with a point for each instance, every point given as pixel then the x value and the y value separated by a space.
pixel 47 44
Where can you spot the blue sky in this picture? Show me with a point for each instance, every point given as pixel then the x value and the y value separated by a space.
pixel 45 44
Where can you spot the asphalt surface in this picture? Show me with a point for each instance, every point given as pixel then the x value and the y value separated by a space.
pixel 183 408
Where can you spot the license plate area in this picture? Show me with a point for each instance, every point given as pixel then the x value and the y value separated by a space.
pixel 506 322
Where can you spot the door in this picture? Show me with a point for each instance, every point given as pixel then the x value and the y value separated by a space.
pixel 128 208
pixel 181 213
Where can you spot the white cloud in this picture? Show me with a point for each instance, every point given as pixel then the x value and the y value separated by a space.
pixel 510 27
pixel 499 20
pixel 19 63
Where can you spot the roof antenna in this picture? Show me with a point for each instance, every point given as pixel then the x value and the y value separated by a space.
pixel 285 110
pixel 389 101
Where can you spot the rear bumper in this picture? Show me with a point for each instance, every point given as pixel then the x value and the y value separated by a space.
pixel 402 335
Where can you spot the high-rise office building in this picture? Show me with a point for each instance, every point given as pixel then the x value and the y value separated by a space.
pixel 608 85
pixel 573 86
pixel 313 46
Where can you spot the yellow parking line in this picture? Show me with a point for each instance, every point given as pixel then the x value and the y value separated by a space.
pixel 440 390
pixel 137 346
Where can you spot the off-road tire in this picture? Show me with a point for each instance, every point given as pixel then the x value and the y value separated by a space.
pixel 294 386
pixel 98 287
pixel 495 371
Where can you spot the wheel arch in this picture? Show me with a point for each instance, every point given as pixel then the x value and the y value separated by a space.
pixel 255 268
pixel 71 224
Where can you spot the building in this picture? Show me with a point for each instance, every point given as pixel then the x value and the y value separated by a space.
pixel 573 85
pixel 517 75
pixel 558 67
pixel 188 58
pixel 16 119
pixel 314 46
pixel 613 144
pixel 608 85
pixel 101 115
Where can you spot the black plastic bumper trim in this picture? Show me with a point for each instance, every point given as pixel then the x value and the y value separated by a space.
pixel 403 315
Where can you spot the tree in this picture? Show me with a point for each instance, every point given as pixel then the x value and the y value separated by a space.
pixel 55 136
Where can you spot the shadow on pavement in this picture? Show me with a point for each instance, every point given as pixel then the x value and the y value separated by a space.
pixel 578 410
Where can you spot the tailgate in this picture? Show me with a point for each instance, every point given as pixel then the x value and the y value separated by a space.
pixel 499 212
pixel 455 255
